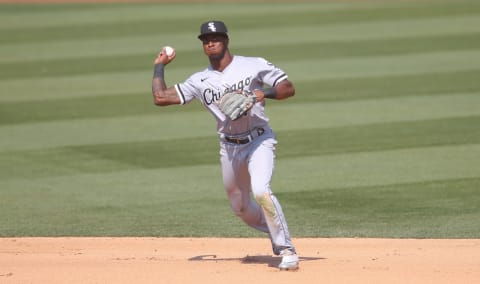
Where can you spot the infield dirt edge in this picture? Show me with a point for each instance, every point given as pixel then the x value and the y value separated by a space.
pixel 236 260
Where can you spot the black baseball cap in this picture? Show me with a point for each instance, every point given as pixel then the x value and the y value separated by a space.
pixel 213 27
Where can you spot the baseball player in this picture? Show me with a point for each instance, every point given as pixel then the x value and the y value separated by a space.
pixel 247 143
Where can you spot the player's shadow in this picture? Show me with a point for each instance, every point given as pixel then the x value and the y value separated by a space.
pixel 271 261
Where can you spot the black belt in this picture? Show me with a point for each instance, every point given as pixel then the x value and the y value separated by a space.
pixel 244 139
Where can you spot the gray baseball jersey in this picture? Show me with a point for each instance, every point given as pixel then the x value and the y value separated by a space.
pixel 243 73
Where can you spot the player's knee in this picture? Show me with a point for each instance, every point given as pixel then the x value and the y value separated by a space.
pixel 263 199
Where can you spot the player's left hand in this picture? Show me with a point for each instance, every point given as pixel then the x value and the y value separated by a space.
pixel 260 95
pixel 237 103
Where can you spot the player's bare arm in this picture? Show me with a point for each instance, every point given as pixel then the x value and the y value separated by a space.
pixel 281 91
pixel 162 95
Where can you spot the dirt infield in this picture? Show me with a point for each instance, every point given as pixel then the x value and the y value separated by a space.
pixel 234 261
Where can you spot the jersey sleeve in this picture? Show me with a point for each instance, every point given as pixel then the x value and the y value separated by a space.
pixel 186 91
pixel 271 74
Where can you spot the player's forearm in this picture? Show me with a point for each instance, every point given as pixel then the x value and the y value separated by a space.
pixel 282 91
pixel 159 86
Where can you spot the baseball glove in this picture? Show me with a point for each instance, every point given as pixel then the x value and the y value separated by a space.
pixel 236 103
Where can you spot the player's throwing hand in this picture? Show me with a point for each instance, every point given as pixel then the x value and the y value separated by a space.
pixel 166 55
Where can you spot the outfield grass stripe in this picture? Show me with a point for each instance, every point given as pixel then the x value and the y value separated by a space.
pixel 24 17
pixel 94 27
pixel 115 83
pixel 448 206
pixel 409 108
pixel 125 45
pixel 307 91
pixel 86 204
pixel 78 108
pixel 141 104
pixel 379 137
pixel 321 172
pixel 74 66
pixel 397 28
pixel 331 90
pixel 109 158
pixel 379 168
pixel 187 41
pixel 432 84
pixel 162 126
pixel 146 26
pixel 127 181
pixel 93 203
pixel 111 83
pixel 116 156
pixel 371 47
pixel 166 122
pixel 372 66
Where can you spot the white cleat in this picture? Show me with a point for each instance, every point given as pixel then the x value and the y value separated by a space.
pixel 289 260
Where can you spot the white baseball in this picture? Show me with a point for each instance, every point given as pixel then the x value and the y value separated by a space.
pixel 169 50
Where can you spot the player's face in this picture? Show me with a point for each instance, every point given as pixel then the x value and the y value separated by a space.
pixel 214 46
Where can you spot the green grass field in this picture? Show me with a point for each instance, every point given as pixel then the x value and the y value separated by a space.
pixel 381 140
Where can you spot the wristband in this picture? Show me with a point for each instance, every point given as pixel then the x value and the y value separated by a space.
pixel 158 71
pixel 270 93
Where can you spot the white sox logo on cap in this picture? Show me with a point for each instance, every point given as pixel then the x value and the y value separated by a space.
pixel 211 26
